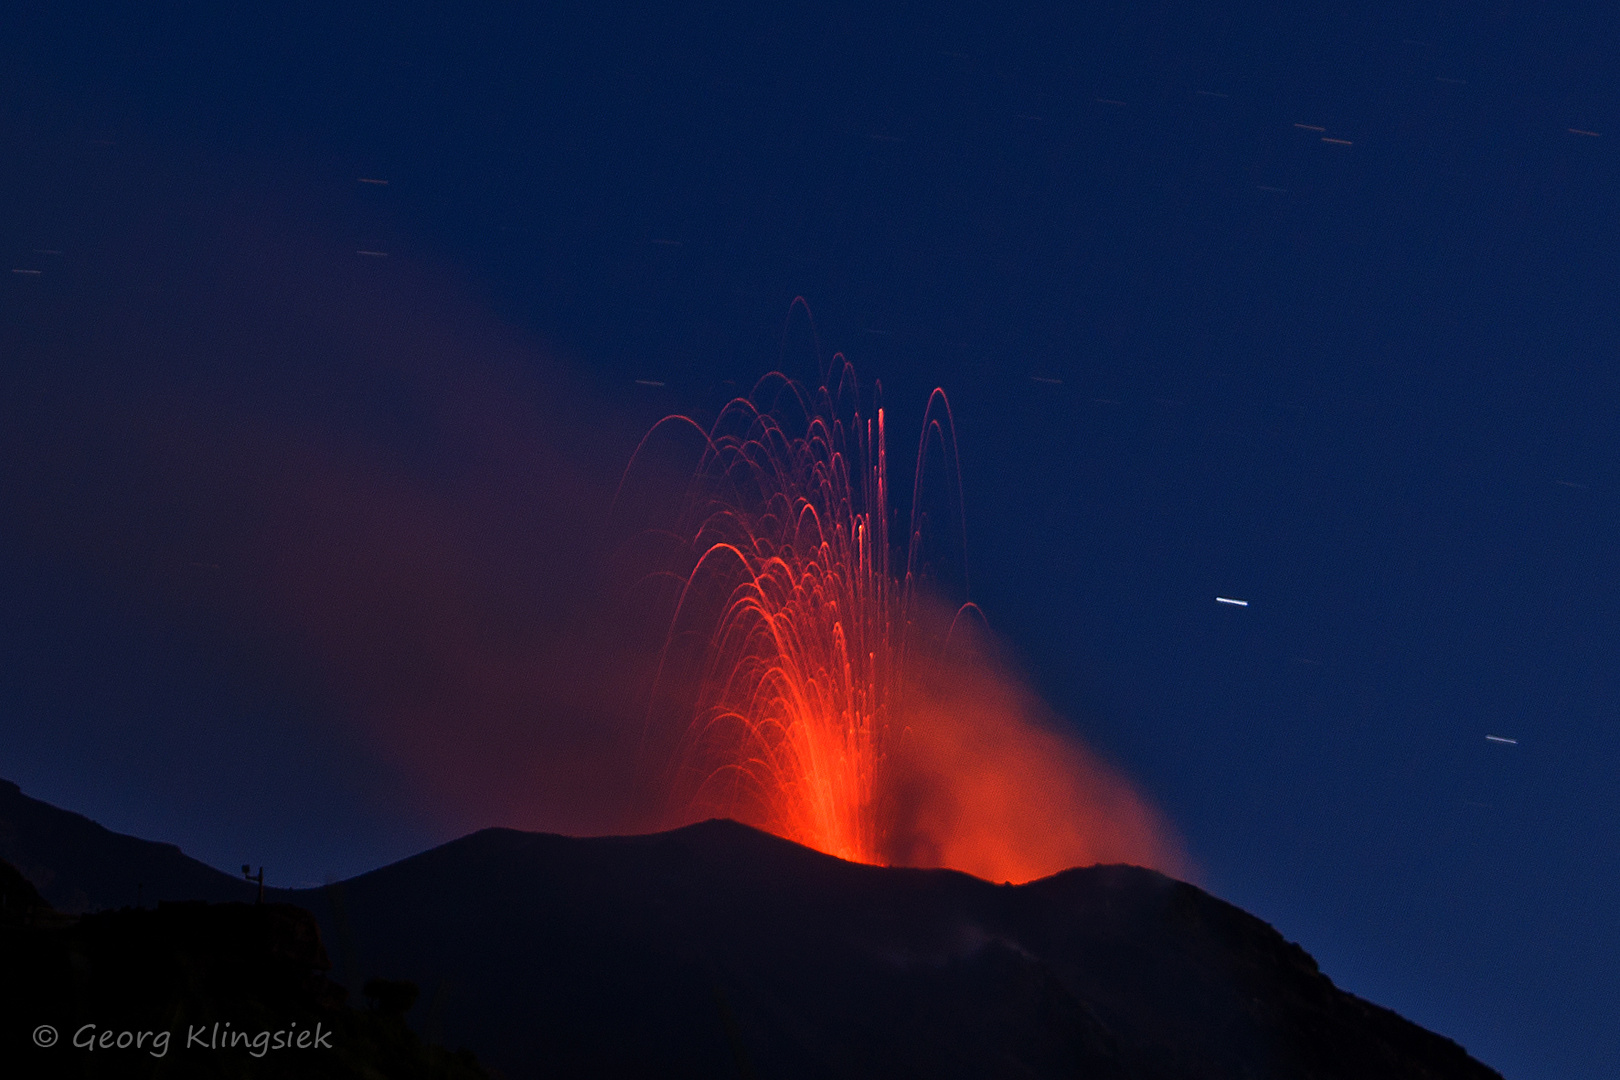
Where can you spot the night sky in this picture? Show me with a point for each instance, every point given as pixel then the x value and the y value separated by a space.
pixel 303 478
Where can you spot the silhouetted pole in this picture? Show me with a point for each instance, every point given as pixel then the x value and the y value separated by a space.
pixel 247 872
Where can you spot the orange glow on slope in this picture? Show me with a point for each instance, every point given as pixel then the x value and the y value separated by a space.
pixel 804 675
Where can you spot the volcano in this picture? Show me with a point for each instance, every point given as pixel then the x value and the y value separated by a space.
pixel 719 950
pixel 824 675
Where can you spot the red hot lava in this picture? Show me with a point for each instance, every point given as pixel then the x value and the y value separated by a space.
pixel 806 687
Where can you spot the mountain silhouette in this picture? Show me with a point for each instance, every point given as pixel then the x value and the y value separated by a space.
pixel 78 865
pixel 718 950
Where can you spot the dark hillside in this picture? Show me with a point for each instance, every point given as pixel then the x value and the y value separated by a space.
pixel 193 990
pixel 79 866
pixel 720 950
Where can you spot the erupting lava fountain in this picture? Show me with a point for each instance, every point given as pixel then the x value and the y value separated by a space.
pixel 804 685
pixel 788 641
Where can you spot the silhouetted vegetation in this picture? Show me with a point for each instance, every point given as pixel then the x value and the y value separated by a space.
pixel 240 990
pixel 19 900
pixel 391 997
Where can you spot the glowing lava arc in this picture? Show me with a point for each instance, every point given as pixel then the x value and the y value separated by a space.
pixel 788 637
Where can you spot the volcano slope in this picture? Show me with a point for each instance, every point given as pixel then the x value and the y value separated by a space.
pixel 718 950
pixel 78 865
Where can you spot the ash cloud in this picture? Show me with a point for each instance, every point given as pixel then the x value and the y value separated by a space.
pixel 985 777
pixel 365 487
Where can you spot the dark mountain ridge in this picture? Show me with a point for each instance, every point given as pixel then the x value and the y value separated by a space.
pixel 78 865
pixel 719 950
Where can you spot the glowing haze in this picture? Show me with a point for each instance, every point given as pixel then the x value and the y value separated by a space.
pixel 814 684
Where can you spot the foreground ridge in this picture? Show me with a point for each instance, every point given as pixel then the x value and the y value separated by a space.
pixel 720 950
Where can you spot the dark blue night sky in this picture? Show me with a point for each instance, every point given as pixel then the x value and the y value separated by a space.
pixel 1313 307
